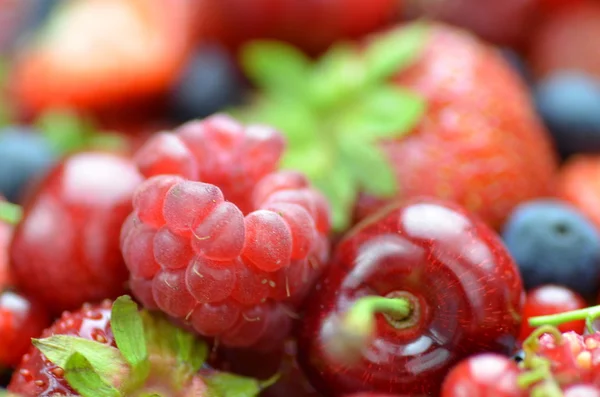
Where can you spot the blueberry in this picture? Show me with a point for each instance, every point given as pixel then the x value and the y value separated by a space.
pixel 553 243
pixel 569 103
pixel 24 155
pixel 208 83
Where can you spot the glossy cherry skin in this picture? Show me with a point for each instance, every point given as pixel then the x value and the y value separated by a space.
pixel 65 251
pixel 468 290
pixel 551 299
pixel 484 375
pixel 20 320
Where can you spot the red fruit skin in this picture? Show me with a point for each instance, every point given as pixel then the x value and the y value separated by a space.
pixel 561 42
pixel 578 184
pixel 480 143
pixel 137 59
pixel 5 237
pixel 235 22
pixel 20 320
pixel 500 22
pixel 483 375
pixel 551 299
pixel 36 376
pixel 65 251
pixel 468 288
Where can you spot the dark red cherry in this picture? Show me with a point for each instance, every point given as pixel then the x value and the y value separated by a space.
pixel 65 251
pixel 411 291
pixel 551 299
pixel 482 376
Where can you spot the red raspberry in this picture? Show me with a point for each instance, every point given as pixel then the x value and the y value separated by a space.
pixel 218 238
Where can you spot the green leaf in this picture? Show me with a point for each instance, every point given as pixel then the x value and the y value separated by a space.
pixel 65 131
pixel 107 361
pixel 385 111
pixel 340 188
pixel 81 376
pixel 394 51
pixel 276 67
pixel 128 329
pixel 370 168
pixel 10 213
pixel 223 384
pixel 337 76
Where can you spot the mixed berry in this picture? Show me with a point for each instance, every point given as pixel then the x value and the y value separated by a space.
pixel 283 198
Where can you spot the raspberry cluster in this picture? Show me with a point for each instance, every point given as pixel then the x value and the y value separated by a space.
pixel 220 240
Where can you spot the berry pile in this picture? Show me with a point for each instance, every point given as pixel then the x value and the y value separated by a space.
pixel 299 198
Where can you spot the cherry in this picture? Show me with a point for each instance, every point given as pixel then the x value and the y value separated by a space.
pixel 411 291
pixel 65 251
pixel 483 375
pixel 551 299
pixel 20 320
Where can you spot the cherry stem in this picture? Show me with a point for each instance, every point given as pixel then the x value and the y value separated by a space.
pixel 10 213
pixel 361 315
pixel 589 314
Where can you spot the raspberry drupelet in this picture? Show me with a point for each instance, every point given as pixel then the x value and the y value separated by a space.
pixel 221 240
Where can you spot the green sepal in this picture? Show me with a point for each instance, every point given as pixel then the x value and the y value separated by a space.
pixel 394 51
pixel 191 349
pixel 276 67
pixel 222 384
pixel 385 111
pixel 107 361
pixel 10 213
pixel 369 167
pixel 128 329
pixel 339 186
pixel 82 377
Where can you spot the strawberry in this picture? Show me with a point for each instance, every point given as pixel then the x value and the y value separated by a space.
pixel 425 109
pixel 98 67
pixel 577 183
pixel 235 22
pixel 111 349
pixel 562 41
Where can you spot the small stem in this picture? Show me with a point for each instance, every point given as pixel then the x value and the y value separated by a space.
pixel 363 310
pixel 561 318
pixel 10 213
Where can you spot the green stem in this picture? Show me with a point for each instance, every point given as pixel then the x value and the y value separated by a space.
pixel 561 318
pixel 361 314
pixel 10 213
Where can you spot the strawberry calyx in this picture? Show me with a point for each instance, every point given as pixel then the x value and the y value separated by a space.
pixel 537 369
pixel 10 213
pixel 334 111
pixel 152 357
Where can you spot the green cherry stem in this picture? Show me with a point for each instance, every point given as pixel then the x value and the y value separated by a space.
pixel 361 315
pixel 588 314
pixel 10 213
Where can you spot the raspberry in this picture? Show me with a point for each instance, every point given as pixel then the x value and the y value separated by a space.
pixel 219 239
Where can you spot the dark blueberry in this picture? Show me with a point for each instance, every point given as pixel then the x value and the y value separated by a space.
pixel 24 156
pixel 209 83
pixel 518 64
pixel 519 356
pixel 569 104
pixel 554 243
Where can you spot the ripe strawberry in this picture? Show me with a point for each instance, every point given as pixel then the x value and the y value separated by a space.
pixel 20 320
pixel 218 239
pixel 562 41
pixel 235 22
pixel 578 184
pixel 123 352
pixel 68 238
pixel 98 68
pixel 456 127
pixel 409 293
